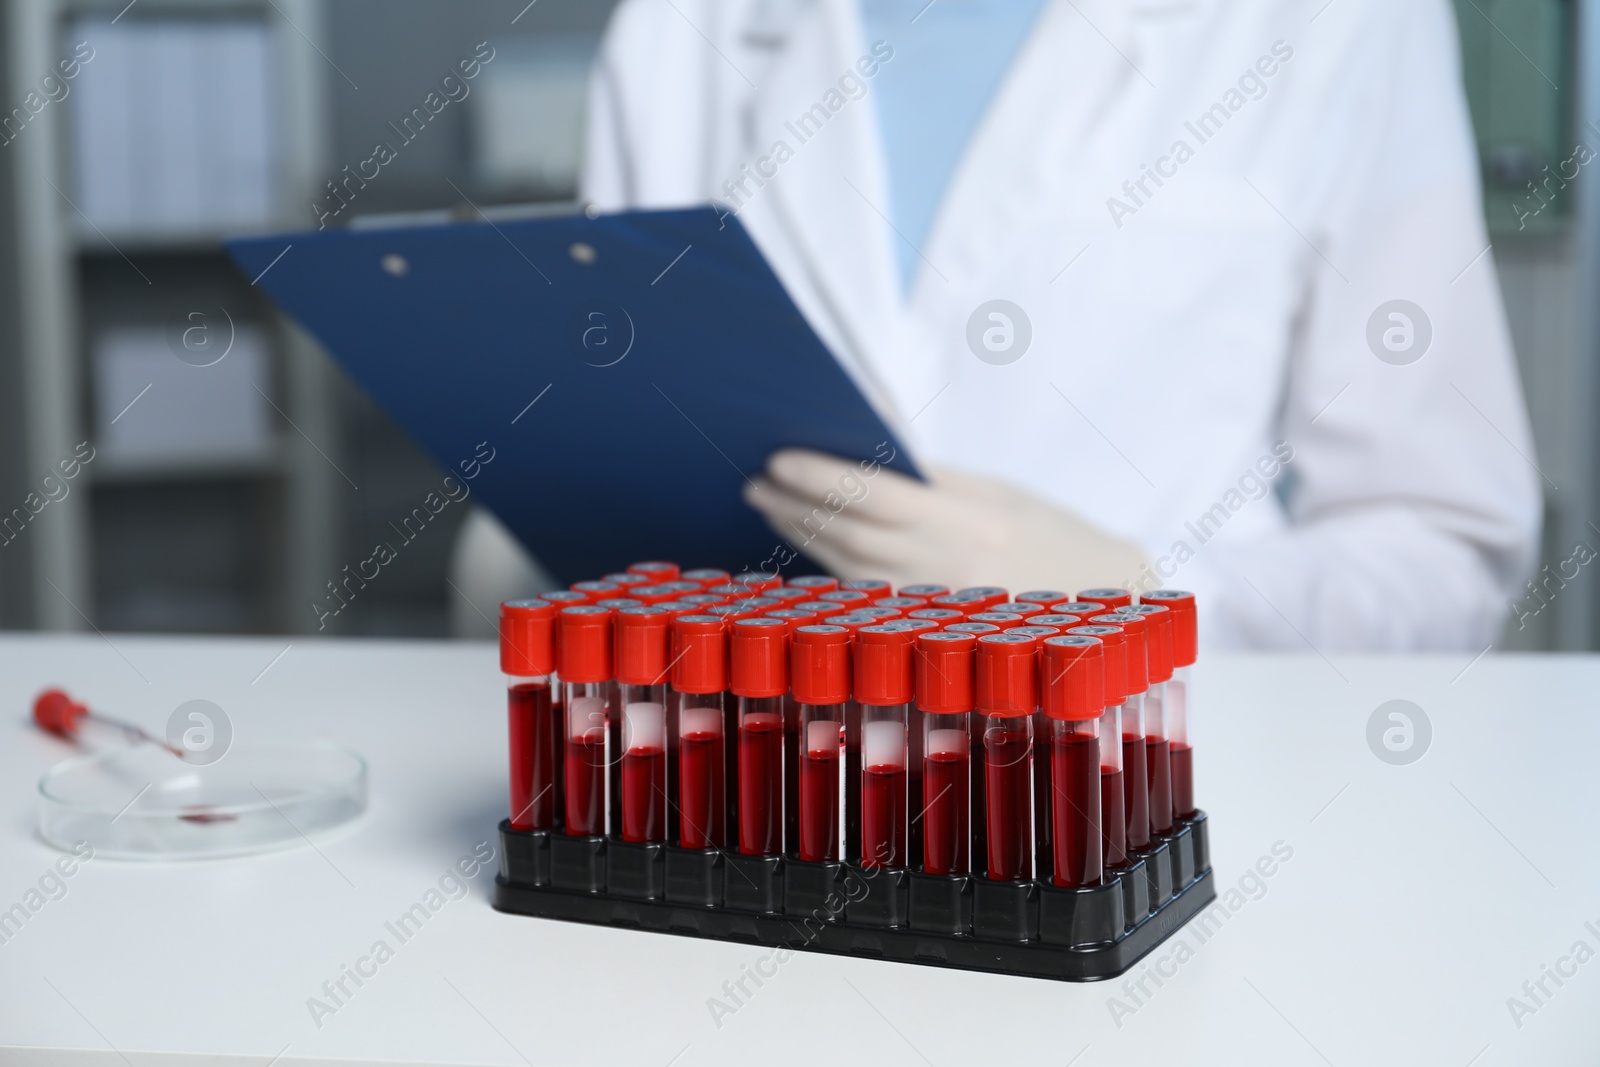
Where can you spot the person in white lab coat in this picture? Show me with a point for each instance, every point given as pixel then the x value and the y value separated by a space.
pixel 1251 341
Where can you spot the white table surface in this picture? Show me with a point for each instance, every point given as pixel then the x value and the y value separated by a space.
pixel 1418 899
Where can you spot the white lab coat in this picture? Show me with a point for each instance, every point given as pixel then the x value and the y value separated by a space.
pixel 1174 346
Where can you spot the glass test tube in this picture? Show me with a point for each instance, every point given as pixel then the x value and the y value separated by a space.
pixel 1180 690
pixel 883 785
pixel 1113 814
pixel 944 687
pixel 527 658
pixel 1007 684
pixel 1075 768
pixel 698 717
pixel 759 675
pixel 822 740
pixel 644 762
pixel 584 659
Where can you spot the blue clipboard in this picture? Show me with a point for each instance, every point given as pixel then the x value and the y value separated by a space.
pixel 628 371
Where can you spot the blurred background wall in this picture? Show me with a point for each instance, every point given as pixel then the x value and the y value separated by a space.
pixel 186 119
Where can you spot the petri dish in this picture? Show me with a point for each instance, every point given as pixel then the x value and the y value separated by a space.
pixel 143 803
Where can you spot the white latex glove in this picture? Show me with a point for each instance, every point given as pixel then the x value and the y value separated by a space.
pixel 860 520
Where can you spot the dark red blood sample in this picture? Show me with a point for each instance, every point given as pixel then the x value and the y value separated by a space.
pixel 1136 791
pixel 883 816
pixel 701 790
pixel 533 795
pixel 1009 794
pixel 1113 818
pixel 761 784
pixel 1075 769
pixel 946 785
pixel 1159 766
pixel 819 804
pixel 644 794
pixel 1182 780
pixel 585 779
pixel 201 813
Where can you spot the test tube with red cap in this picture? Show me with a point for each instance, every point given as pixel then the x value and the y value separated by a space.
pixel 1135 752
pixel 584 660
pixel 528 660
pixel 656 570
pixel 1113 793
pixel 819 671
pixel 758 671
pixel 1007 692
pixel 699 679
pixel 1074 703
pixel 1113 599
pixel 925 591
pixel 944 686
pixel 815 583
pixel 641 643
pixel 1158 649
pixel 706 576
pixel 883 687
pixel 1179 694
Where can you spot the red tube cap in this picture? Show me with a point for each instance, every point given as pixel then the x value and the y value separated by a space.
pixel 704 576
pixel 989 594
pixel 758 658
pixel 976 629
pixel 527 637
pixel 656 594
pixel 850 620
pixel 1033 631
pixel 57 712
pixel 999 618
pixel 1074 677
pixel 617 603
pixel 1024 608
pixel 1007 675
pixel 1041 596
pixel 877 611
pixel 819 664
pixel 699 654
pixel 901 603
pixel 912 626
pixel 732 590
pixel 678 607
pixel 817 583
pixel 850 598
pixel 1079 607
pixel 1136 634
pixel 787 593
pixel 1115 599
pixel 1159 646
pixel 626 580
pixel 598 591
pixel 942 616
pixel 1051 619
pixel 1185 638
pixel 585 646
pixel 655 569
pixel 759 580
pixel 883 666
pixel 641 640
pixel 792 617
pixel 735 611
pixel 1115 641
pixel 876 588
pixel 565 598
pixel 926 592
pixel 943 671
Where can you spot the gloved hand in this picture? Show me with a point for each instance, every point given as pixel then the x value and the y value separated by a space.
pixel 957 530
